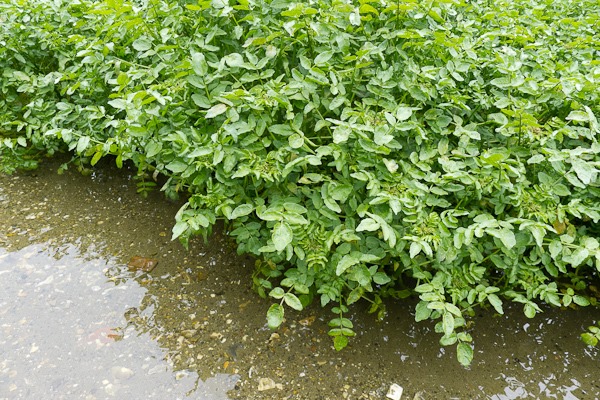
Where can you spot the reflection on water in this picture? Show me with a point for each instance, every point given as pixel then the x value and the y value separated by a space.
pixel 64 335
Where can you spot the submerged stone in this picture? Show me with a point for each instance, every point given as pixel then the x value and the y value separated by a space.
pixel 139 263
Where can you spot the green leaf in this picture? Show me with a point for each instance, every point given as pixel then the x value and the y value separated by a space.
pixel 496 303
pixel 341 134
pixel 448 323
pixel 296 141
pixel 215 111
pixel 589 339
pixel 580 116
pixel 323 57
pixel 96 158
pixel 585 171
pixel 529 310
pixel 176 166
pixel 179 228
pixel 234 60
pixel 142 44
pixel 337 102
pixel 578 257
pixel 506 236
pixel 292 301
pixel 341 192
pixel 464 354
pixel 581 301
pixel 199 64
pixel 422 312
pixel 201 100
pixel 415 249
pixel 346 262
pixel 241 210
pixel 355 18
pixel 453 309
pixel 277 293
pixel 381 278
pixel 282 236
pixel 424 288
pixel 340 342
pixel 403 113
pixel 281 129
pixel 275 316
pixel 368 224
pixel 82 143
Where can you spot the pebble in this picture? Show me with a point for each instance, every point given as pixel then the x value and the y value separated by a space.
pixel 139 263
pixel 266 384
pixel 111 389
pixel 121 373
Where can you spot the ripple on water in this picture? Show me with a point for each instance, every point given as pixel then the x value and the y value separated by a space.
pixel 63 334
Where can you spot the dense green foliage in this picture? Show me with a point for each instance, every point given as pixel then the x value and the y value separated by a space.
pixel 367 149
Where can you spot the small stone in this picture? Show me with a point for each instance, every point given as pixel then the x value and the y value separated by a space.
pixel 110 389
pixel 274 336
pixel 266 384
pixel 395 392
pixel 121 373
pixel 142 263
pixel 189 333
pixel 307 321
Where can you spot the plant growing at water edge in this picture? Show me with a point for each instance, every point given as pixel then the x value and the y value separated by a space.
pixel 443 149
pixel 592 336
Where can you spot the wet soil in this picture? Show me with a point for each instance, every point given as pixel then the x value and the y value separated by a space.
pixel 77 323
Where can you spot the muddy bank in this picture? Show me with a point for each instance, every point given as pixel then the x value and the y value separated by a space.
pixel 193 328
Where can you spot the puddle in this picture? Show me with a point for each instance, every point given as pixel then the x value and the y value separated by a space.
pixel 64 335
pixel 76 323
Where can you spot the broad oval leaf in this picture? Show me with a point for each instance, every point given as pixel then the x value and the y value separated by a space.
pixel 282 236
pixel 242 210
pixel 368 224
pixel 275 316
pixel 346 262
pixel 293 301
pixel 216 110
pixel 464 354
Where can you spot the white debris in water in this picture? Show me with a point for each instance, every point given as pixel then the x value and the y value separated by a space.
pixel 395 392
pixel 34 348
pixel 46 281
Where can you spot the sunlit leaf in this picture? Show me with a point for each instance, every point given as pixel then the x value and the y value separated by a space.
pixel 464 354
pixel 282 236
pixel 275 316
pixel 215 111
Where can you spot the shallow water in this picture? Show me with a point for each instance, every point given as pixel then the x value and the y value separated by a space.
pixel 76 323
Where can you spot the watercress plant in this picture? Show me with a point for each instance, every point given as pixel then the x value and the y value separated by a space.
pixel 360 150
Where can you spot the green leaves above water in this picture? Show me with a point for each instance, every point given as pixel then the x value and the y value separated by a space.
pixel 441 149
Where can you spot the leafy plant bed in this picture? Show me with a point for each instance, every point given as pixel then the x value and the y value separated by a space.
pixel 443 149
